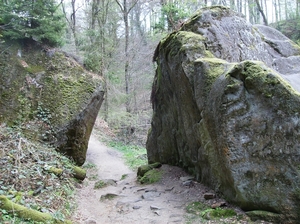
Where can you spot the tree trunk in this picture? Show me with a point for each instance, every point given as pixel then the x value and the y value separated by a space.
pixel 261 12
pixel 125 11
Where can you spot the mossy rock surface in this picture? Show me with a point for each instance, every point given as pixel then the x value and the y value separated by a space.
pixel 26 213
pixel 151 176
pixel 51 96
pixel 264 215
pixel 219 112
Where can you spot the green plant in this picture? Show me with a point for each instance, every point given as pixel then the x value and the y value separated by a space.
pixel 134 155
pixel 100 184
pixel 124 176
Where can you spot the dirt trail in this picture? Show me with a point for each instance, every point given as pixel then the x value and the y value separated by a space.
pixel 159 203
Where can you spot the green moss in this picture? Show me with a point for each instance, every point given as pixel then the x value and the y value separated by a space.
pixel 124 176
pixel 78 173
pixel 35 69
pixel 108 196
pixel 265 82
pixel 26 213
pixel 221 213
pixel 196 208
pixel 100 184
pixel 142 170
pixel 212 68
pixel 151 176
pixel 204 211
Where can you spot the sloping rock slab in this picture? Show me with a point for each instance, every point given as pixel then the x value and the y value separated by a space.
pixel 51 96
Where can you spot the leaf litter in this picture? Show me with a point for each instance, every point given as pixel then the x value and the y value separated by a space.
pixel 25 176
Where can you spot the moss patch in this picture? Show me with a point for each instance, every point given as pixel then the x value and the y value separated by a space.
pixel 196 208
pixel 100 184
pixel 151 176
pixel 221 213
pixel 202 210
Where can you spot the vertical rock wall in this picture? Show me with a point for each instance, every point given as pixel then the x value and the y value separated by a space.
pixel 226 107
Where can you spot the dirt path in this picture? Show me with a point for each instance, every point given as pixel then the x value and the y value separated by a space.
pixel 159 203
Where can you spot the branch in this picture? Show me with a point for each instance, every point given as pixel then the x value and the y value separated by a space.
pixel 136 1
pixel 120 5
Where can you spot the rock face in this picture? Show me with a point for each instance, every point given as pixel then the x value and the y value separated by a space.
pixel 226 108
pixel 50 96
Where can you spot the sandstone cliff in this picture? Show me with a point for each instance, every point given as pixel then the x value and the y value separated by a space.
pixel 49 96
pixel 226 107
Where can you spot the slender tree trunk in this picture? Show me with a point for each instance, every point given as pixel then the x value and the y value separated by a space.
pixel 266 7
pixel 276 11
pixel 279 10
pixel 125 11
pixel 127 75
pixel 102 20
pixel 261 12
pixel 72 21
pixel 297 8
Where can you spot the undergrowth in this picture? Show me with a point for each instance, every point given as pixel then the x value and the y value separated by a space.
pixel 25 178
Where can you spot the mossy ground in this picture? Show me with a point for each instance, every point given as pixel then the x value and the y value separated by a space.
pixel 100 184
pixel 200 212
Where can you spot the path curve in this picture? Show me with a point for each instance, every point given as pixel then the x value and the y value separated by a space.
pixel 160 203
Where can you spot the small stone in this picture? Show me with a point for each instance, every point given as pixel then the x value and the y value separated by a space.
pixel 150 195
pixel 90 221
pixel 151 190
pixel 169 189
pixel 136 207
pixel 110 182
pixel 141 189
pixel 219 204
pixel 108 196
pixel 153 207
pixel 208 196
pixel 188 183
pixel 186 178
pixel 157 213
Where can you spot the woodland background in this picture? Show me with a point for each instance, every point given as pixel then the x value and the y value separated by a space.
pixel 116 40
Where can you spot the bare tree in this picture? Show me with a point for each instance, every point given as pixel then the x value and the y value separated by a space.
pixel 125 8
pixel 261 12
pixel 72 20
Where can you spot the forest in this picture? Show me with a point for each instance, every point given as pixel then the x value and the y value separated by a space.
pixel 116 39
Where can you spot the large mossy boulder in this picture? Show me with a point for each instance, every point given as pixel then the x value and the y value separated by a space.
pixel 49 95
pixel 226 106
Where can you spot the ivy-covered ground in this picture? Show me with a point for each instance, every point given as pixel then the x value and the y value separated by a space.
pixel 33 175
